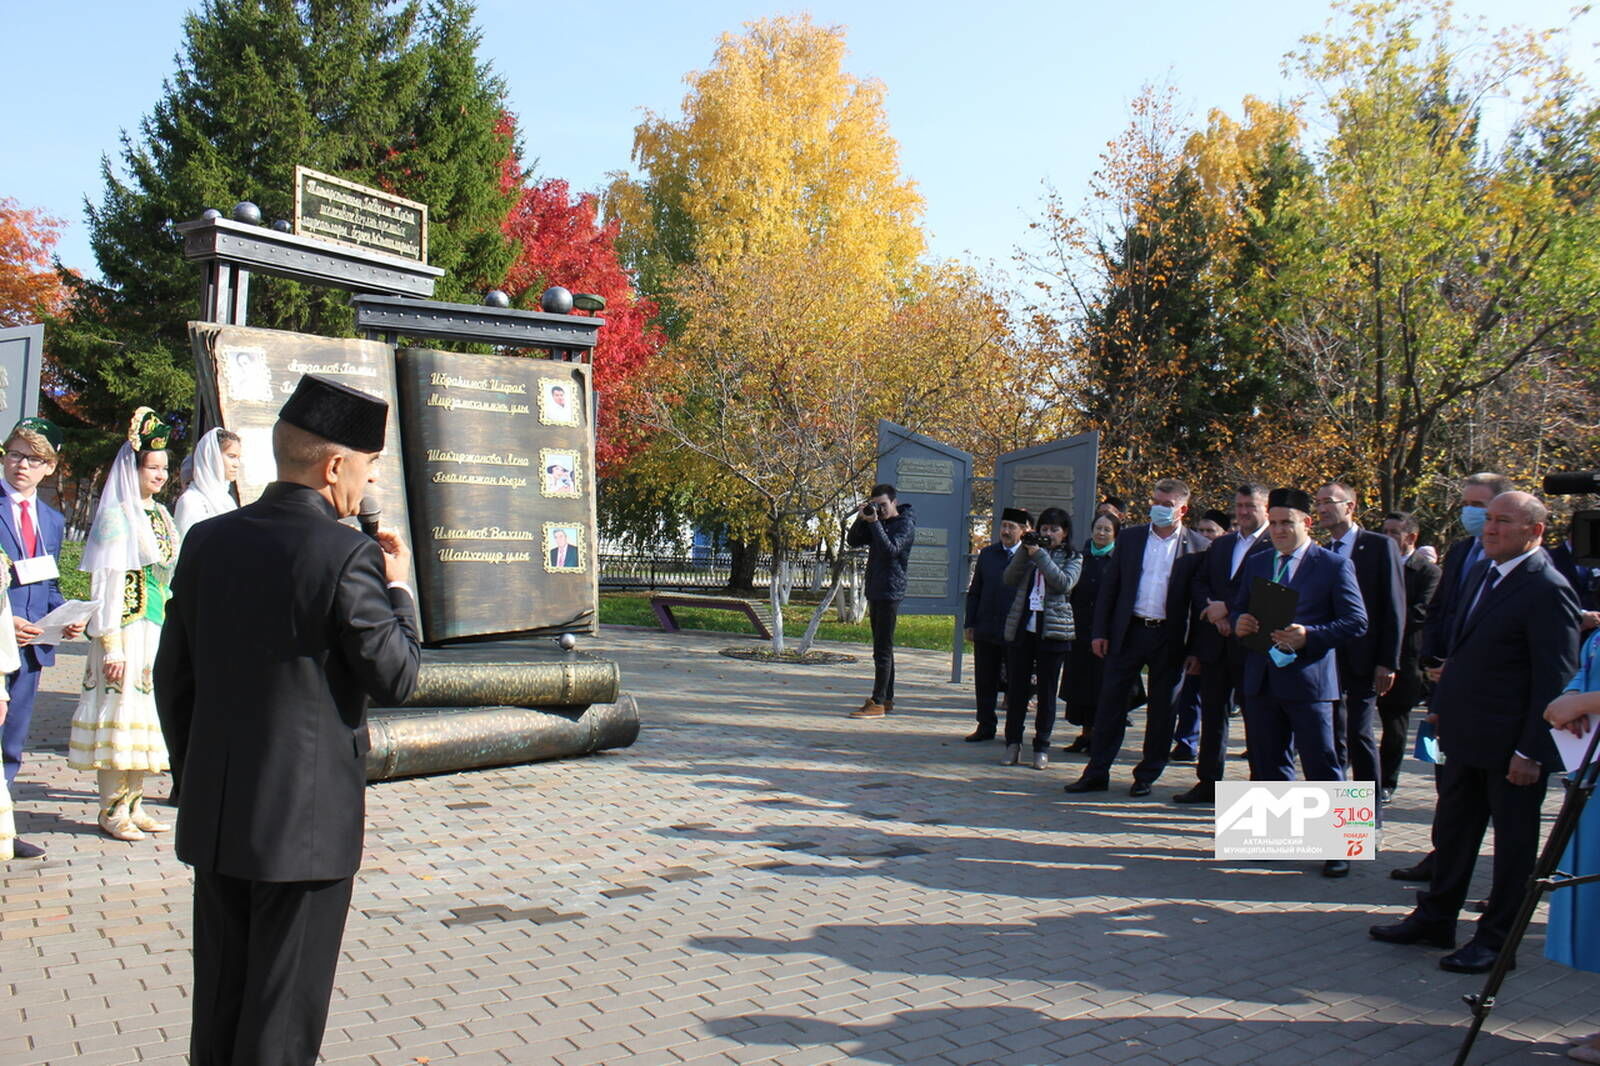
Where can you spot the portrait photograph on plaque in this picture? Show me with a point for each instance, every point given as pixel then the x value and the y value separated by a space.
pixel 563 547
pixel 558 475
pixel 557 405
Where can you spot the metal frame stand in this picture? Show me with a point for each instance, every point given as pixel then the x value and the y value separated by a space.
pixel 1545 878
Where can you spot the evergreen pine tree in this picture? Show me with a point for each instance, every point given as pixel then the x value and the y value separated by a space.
pixel 383 94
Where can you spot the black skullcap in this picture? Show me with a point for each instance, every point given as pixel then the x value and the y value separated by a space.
pixel 1017 515
pixel 1291 498
pixel 338 413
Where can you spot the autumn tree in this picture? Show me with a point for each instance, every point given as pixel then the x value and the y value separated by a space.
pixel 391 95
pixel 1432 261
pixel 772 221
pixel 29 284
pixel 562 242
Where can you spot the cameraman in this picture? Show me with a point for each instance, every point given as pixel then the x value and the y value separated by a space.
pixel 887 530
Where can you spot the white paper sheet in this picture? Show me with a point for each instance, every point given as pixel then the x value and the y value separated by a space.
pixel 54 624
pixel 1573 748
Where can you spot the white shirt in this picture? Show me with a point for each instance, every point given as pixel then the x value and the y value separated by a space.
pixel 1505 569
pixel 1294 562
pixel 13 497
pixel 1242 547
pixel 1160 553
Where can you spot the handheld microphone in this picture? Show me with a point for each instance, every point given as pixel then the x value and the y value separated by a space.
pixel 367 514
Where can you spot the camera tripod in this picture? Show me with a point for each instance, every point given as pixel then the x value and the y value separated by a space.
pixel 1545 878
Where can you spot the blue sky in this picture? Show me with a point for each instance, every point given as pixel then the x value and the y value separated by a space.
pixel 988 100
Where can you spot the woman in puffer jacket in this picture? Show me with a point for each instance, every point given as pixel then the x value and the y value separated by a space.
pixel 1039 631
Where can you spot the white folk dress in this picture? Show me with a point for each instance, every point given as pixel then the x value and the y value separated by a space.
pixel 115 726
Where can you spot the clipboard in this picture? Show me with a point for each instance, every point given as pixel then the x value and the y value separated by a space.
pixel 1273 605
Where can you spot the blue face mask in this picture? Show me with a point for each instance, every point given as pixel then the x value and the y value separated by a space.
pixel 1472 519
pixel 1280 657
pixel 1162 515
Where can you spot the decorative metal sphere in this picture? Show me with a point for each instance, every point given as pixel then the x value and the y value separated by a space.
pixel 588 301
pixel 556 301
pixel 210 213
pixel 496 298
pixel 567 641
pixel 283 225
pixel 247 212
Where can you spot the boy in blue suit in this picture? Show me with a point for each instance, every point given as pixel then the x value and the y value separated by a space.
pixel 1289 695
pixel 30 534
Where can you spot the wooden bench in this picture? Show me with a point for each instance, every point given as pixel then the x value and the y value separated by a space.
pixel 662 603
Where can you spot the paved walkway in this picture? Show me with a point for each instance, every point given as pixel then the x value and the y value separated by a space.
pixel 762 880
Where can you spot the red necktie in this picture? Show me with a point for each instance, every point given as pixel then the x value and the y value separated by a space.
pixel 30 539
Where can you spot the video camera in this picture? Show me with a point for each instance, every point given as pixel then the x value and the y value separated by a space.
pixel 1585 531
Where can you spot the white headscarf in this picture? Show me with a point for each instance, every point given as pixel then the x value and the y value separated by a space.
pixel 207 495
pixel 121 537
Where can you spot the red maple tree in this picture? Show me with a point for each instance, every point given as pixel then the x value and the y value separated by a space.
pixel 564 244
pixel 29 285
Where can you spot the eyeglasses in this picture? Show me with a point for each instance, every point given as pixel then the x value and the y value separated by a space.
pixel 32 462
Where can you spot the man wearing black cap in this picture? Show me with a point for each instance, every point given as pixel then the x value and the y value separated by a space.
pixel 283 623
pixel 988 603
pixel 1289 693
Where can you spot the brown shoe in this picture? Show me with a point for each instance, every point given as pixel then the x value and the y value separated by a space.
pixel 869 709
pixel 888 706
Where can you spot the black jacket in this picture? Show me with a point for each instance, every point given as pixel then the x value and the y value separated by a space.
pixel 1383 593
pixel 1213 580
pixel 1506 658
pixel 989 597
pixel 1113 609
pixel 1422 581
pixel 1585 580
pixel 279 631
pixel 888 542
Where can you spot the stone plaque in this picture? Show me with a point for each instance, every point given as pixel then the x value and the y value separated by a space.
pixel 924 476
pixel 1050 475
pixel 339 210
pixel 936 479
pixel 500 465
pixel 21 357
pixel 246 374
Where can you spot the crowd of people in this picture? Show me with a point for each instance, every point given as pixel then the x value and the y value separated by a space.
pixel 1158 614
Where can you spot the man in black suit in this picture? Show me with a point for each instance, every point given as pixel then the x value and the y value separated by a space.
pixel 283 623
pixel 1221 658
pixel 1461 562
pixel 1513 648
pixel 988 602
pixel 1368 663
pixel 1394 706
pixel 1141 620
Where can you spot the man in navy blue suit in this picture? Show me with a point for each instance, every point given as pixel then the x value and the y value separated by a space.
pixel 1289 693
pixel 30 533
pixel 1141 621
pixel 988 602
pixel 1368 663
pixel 1512 648
pixel 1220 657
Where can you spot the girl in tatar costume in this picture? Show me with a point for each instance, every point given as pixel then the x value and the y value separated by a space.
pixel 132 546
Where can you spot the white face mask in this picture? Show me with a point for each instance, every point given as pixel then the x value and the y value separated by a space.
pixel 1162 515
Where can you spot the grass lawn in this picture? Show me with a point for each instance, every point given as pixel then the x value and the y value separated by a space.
pixel 913 630
pixel 74 582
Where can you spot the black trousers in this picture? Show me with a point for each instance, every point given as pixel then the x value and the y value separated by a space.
pixel 1470 798
pixel 988 678
pixel 264 958
pixel 883 614
pixel 1355 737
pixel 1033 664
pixel 1143 646
pixel 1219 690
pixel 1394 711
